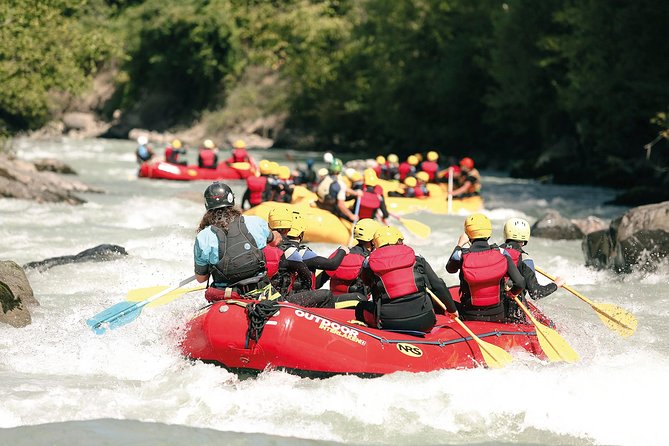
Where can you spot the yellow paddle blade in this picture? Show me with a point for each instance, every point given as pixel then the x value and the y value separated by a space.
pixel 617 319
pixel 346 304
pixel 495 357
pixel 415 227
pixel 554 346
pixel 241 165
pixel 140 294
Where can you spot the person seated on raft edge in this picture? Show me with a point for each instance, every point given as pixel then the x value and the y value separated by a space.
pixel 372 201
pixel 483 271
pixel 228 246
pixel 300 289
pixel 144 150
pixel 421 189
pixel 285 185
pixel 258 186
pixel 207 158
pixel 409 189
pixel 430 166
pixel 516 235
pixel 398 280
pixel 469 180
pixel 346 278
pixel 332 193
pixel 239 153
pixel 173 151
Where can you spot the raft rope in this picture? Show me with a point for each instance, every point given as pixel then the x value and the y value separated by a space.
pixel 258 315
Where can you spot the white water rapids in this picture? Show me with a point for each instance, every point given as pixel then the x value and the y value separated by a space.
pixel 62 384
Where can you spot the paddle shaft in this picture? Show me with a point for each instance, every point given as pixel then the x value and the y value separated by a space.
pixel 143 303
pixel 356 212
pixel 450 190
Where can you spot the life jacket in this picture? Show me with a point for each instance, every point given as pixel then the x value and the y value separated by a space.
pixel 326 191
pixel 393 264
pixel 419 191
pixel 208 158
pixel 272 257
pixel 405 169
pixel 513 252
pixel 369 203
pixel 240 155
pixel 483 271
pixel 431 168
pixel 475 185
pixel 143 153
pixel 347 274
pixel 238 252
pixel 256 187
pixel 169 155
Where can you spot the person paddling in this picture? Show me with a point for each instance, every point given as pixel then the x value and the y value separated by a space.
pixel 173 153
pixel 516 235
pixel 228 246
pixel 332 193
pixel 483 269
pixel 399 279
pixel 207 157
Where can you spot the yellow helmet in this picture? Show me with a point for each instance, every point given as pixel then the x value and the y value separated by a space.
pixel 274 168
pixel 432 155
pixel 283 172
pixel 322 172
pixel 413 160
pixel 410 181
pixel 280 218
pixel 176 144
pixel 517 229
pixel 419 156
pixel 478 226
pixel 299 225
pixel 392 158
pixel 355 177
pixel 381 159
pixel 370 177
pixel 265 167
pixel 387 235
pixel 423 176
pixel 239 144
pixel 209 144
pixel 364 229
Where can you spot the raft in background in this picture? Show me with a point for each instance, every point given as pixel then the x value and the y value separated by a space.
pixel 322 225
pixel 318 342
pixel 168 171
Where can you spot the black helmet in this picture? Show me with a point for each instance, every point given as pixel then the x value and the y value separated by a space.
pixel 218 195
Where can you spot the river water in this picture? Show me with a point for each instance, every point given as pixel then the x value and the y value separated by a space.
pixel 62 384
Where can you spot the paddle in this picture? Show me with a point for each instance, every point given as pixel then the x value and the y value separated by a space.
pixel 356 212
pixel 415 227
pixel 617 319
pixel 495 357
pixel 139 294
pixel 125 312
pixel 243 165
pixel 553 345
pixel 450 190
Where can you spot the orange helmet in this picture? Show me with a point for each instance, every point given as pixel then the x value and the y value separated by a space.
pixel 467 163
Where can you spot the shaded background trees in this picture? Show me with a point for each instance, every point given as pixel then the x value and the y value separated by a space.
pixel 564 88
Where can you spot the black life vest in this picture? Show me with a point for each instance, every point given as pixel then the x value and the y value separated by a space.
pixel 484 272
pixel 238 252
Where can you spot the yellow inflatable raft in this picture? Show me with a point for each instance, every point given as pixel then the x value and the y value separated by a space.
pixel 322 226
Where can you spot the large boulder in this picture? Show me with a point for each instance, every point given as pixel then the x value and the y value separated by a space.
pixel 96 254
pixel 16 295
pixel 638 239
pixel 554 226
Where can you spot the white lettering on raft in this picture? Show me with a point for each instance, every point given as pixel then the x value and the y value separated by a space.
pixel 332 327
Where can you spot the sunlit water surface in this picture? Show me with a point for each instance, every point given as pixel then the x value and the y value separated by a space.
pixel 62 384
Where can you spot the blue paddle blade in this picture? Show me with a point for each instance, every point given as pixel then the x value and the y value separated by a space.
pixel 115 316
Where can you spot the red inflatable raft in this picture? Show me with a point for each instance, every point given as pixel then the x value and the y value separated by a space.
pixel 168 171
pixel 319 342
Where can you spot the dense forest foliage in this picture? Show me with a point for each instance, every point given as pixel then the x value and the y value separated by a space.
pixel 567 88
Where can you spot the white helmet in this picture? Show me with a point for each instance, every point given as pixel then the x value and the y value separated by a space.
pixel 517 229
pixel 142 140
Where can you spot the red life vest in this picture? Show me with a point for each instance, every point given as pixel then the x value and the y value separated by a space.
pixel 418 190
pixel 431 168
pixel 404 170
pixel 514 253
pixel 240 155
pixel 369 203
pixel 208 158
pixel 168 154
pixel 346 274
pixel 483 271
pixel 272 257
pixel 256 187
pixel 394 266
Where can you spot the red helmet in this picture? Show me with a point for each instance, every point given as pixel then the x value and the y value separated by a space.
pixel 467 163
